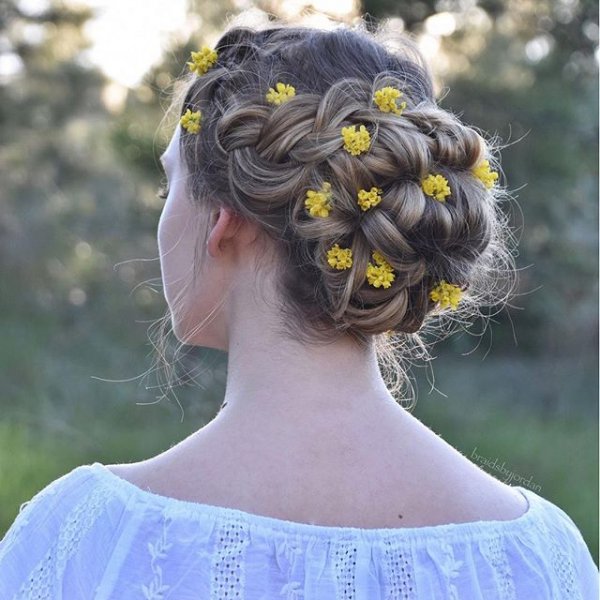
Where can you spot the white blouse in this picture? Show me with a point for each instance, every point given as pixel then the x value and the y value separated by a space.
pixel 92 535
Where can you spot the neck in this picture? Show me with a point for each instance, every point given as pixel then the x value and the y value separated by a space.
pixel 278 384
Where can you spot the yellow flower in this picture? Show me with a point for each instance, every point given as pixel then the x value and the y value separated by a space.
pixel 378 276
pixel 202 60
pixel 447 294
pixel 436 186
pixel 191 121
pixel 381 274
pixel 482 172
pixel 284 93
pixel 318 202
pixel 339 258
pixel 378 258
pixel 356 142
pixel 370 198
pixel 385 98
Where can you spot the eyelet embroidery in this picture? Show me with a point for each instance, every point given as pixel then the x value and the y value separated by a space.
pixel 344 564
pixel 493 550
pixel 228 579
pixel 400 575
pixel 562 564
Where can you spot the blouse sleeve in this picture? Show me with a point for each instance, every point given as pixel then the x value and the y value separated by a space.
pixel 574 548
pixel 588 571
pixel 49 528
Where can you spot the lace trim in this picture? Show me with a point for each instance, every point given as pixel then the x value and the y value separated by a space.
pixel 494 551
pixel 562 564
pixel 344 565
pixel 76 524
pixel 228 576
pixel 400 575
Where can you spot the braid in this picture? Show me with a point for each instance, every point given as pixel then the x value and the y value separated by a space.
pixel 373 203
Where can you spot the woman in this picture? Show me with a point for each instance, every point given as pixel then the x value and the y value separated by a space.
pixel 320 207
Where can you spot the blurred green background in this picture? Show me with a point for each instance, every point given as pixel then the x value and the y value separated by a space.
pixel 80 291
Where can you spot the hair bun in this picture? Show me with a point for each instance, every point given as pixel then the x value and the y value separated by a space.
pixel 340 164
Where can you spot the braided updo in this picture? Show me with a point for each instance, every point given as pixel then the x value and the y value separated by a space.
pixel 260 159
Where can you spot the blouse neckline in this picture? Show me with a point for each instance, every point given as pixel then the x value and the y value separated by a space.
pixel 274 526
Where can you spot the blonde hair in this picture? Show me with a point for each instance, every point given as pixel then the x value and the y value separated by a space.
pixel 260 160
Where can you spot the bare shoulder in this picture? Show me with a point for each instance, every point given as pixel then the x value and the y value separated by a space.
pixel 466 491
pixel 415 480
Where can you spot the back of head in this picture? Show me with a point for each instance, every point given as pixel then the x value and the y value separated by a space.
pixel 410 201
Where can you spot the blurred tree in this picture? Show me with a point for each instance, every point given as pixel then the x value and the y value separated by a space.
pixel 69 210
pixel 63 189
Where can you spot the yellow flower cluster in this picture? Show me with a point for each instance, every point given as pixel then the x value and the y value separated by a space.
pixel 356 142
pixel 447 294
pixel 191 121
pixel 436 186
pixel 339 258
pixel 380 274
pixel 319 202
pixel 368 199
pixel 283 93
pixel 482 171
pixel 202 60
pixel 385 98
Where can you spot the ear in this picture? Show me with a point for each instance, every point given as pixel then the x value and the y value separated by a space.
pixel 224 225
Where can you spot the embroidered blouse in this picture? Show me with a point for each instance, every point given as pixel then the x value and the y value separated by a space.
pixel 92 535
